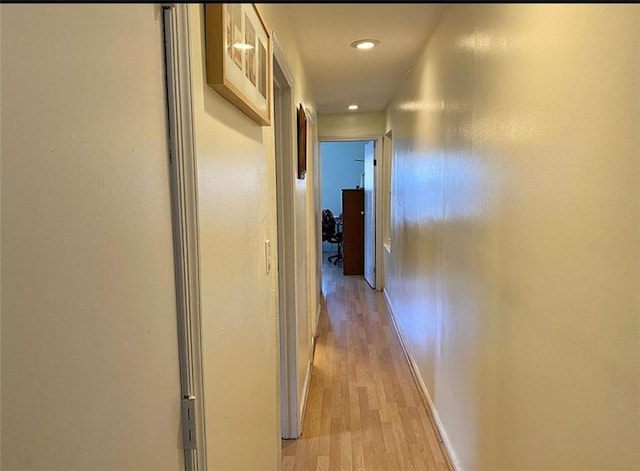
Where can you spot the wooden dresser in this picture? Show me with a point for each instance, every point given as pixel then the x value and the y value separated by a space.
pixel 353 231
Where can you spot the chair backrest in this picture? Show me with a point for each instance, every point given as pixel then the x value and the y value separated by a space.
pixel 328 224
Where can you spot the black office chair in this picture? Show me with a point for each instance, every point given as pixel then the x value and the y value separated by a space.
pixel 331 235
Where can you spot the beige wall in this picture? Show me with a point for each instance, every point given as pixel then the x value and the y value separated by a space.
pixel 236 197
pixel 514 269
pixel 306 228
pixel 348 125
pixel 89 338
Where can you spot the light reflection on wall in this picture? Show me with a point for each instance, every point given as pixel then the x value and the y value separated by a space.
pixel 514 223
pixel 495 43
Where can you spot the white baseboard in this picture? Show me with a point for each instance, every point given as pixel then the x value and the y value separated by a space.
pixel 307 379
pixel 431 408
pixel 305 388
pixel 316 333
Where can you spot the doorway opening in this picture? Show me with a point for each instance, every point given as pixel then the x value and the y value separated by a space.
pixel 348 191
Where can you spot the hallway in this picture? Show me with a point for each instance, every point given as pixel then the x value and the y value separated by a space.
pixel 364 410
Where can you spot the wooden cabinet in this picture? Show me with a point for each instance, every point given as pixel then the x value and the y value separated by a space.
pixel 353 231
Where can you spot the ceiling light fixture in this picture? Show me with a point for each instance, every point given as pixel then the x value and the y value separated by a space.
pixel 365 43
pixel 353 107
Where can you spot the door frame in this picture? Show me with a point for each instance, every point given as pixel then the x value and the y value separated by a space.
pixel 370 221
pixel 283 119
pixel 184 208
pixel 377 195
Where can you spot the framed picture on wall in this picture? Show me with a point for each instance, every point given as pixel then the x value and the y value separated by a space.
pixel 238 48
pixel 302 142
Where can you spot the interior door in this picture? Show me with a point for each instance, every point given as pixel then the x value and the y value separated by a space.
pixel 369 215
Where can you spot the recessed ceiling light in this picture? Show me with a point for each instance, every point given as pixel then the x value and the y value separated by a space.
pixel 353 107
pixel 365 43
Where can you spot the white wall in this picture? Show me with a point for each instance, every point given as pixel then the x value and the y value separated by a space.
pixel 306 219
pixel 239 325
pixel 514 271
pixel 89 338
pixel 350 125
pixel 236 197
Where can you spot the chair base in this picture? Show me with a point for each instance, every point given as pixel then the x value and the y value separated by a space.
pixel 338 241
pixel 335 259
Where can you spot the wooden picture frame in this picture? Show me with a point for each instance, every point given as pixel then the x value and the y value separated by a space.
pixel 302 141
pixel 238 57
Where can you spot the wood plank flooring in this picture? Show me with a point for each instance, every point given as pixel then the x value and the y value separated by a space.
pixel 364 410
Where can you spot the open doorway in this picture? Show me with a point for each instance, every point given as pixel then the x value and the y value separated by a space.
pixel 348 187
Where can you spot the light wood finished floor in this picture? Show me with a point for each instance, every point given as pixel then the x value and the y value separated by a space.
pixel 364 410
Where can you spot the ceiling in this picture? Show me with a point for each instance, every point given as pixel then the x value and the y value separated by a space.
pixel 340 74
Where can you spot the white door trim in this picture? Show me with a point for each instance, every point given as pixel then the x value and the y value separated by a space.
pixel 185 220
pixel 284 169
pixel 378 192
pixel 370 206
pixel 280 58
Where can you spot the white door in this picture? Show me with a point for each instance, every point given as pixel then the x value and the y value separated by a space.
pixel 369 215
